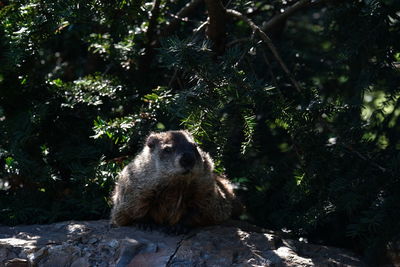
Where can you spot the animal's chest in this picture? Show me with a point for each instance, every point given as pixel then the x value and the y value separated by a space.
pixel 170 203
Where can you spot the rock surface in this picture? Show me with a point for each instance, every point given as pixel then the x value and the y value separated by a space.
pixel 95 243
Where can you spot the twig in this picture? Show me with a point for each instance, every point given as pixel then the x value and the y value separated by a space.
pixel 268 41
pixel 271 73
pixel 367 159
pixel 201 27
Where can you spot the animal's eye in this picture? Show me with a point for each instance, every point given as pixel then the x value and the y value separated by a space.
pixel 168 149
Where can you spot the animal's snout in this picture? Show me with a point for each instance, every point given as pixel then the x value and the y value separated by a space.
pixel 187 160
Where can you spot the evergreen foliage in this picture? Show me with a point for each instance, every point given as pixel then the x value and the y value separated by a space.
pixel 83 82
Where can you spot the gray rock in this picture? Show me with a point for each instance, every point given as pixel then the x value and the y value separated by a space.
pixel 95 243
pixel 81 262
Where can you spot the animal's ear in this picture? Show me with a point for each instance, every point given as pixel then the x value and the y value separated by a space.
pixel 188 135
pixel 152 141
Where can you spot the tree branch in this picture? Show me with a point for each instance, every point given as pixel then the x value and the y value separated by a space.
pixel 216 26
pixel 184 12
pixel 268 42
pixel 276 20
pixel 287 13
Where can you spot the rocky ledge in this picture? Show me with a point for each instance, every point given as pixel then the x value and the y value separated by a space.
pixel 95 243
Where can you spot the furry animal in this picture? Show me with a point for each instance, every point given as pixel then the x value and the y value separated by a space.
pixel 170 182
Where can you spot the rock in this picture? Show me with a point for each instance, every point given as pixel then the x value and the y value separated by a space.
pixel 59 255
pixel 95 243
pixel 7 251
pixel 16 262
pixel 81 262
pixel 36 256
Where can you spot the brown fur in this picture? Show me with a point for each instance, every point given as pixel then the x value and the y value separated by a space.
pixel 156 187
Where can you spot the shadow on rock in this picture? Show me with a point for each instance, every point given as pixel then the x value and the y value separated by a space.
pixel 95 243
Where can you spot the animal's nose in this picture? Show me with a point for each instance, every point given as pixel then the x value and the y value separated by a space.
pixel 187 160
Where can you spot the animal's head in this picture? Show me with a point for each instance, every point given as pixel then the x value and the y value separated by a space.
pixel 175 153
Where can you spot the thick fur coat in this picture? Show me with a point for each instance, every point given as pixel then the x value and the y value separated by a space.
pixel 171 181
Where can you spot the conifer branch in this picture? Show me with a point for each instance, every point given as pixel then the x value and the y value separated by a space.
pixel 267 41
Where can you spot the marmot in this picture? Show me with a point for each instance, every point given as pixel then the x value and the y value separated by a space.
pixel 170 182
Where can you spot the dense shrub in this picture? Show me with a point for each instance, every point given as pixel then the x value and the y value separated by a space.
pixel 314 148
